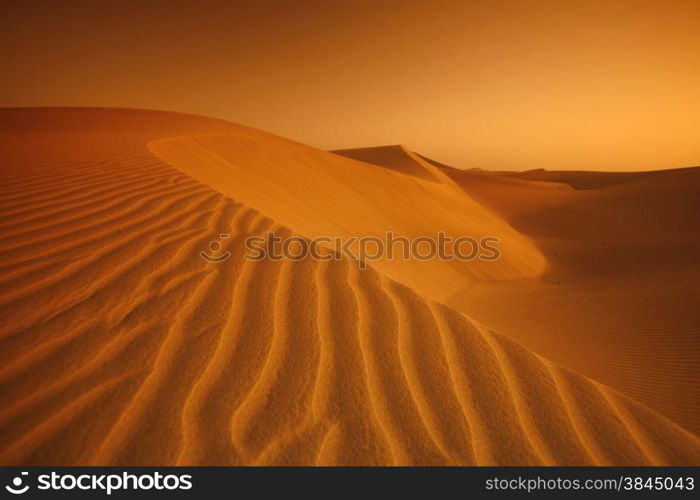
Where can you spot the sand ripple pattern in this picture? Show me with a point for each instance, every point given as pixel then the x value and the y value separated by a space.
pixel 120 345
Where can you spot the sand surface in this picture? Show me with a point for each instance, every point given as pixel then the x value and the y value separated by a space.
pixel 619 302
pixel 121 345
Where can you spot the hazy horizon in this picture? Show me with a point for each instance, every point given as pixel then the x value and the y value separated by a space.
pixel 494 85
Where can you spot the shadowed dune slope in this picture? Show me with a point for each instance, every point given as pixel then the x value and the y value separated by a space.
pixel 121 345
pixel 510 197
pixel 619 302
pixel 397 158
pixel 581 179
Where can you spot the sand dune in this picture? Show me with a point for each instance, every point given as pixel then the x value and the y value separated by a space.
pixel 398 158
pixel 578 179
pixel 121 345
pixel 619 301
pixel 316 193
pixel 505 193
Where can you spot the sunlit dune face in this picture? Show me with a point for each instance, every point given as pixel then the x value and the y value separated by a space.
pixel 497 85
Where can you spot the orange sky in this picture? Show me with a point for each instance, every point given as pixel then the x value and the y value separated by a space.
pixel 599 85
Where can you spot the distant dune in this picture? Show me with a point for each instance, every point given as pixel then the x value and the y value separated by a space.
pixel 397 158
pixel 121 345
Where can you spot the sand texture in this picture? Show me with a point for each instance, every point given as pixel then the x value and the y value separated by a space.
pixel 121 345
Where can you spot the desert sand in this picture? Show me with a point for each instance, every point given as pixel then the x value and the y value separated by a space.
pixel 120 345
pixel 620 300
